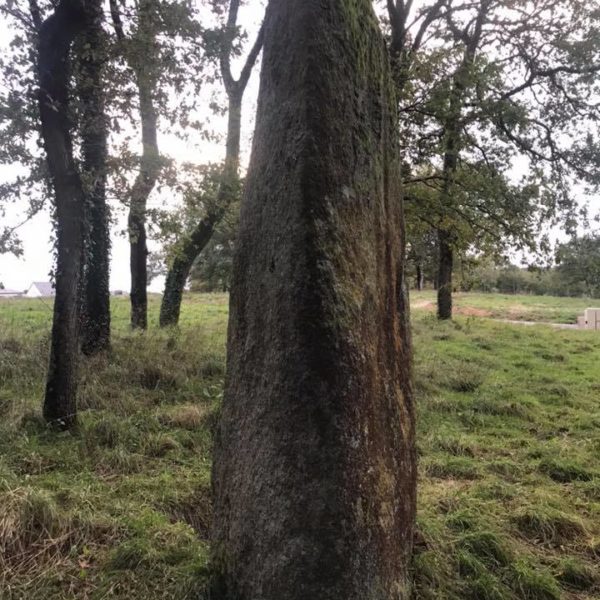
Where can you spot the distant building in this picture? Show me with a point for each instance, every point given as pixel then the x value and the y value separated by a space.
pixel 40 289
pixel 6 293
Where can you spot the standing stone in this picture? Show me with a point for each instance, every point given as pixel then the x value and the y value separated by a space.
pixel 314 467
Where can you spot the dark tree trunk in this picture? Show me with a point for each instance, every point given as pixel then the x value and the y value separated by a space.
pixel 56 37
pixel 444 278
pixel 314 464
pixel 138 264
pixel 143 62
pixel 452 147
pixel 95 335
pixel 179 272
pixel 194 243
pixel 419 278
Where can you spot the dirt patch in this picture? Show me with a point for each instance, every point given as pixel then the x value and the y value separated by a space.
pixel 469 311
pixel 466 311
pixel 426 304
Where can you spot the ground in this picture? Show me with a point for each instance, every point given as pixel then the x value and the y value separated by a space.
pixel 509 439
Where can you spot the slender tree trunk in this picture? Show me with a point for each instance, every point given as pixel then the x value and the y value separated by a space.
pixel 314 463
pixel 444 278
pixel 95 336
pixel 143 61
pixel 56 37
pixel 193 244
pixel 452 146
pixel 419 278
pixel 143 186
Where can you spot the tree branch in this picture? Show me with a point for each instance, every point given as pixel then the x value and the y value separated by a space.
pixel 251 59
pixel 36 17
pixel 225 54
pixel 116 19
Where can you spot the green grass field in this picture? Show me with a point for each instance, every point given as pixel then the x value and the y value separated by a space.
pixel 509 447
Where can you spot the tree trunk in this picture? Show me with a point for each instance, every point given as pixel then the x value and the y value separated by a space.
pixel 56 36
pixel 419 278
pixel 452 147
pixel 314 463
pixel 144 65
pixel 193 244
pixel 95 335
pixel 444 278
pixel 140 192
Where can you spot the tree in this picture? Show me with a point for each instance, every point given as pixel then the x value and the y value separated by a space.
pixel 503 82
pixel 579 262
pixel 141 53
pixel 31 187
pixel 166 51
pixel 56 36
pixel 91 60
pixel 187 250
pixel 421 253
pixel 314 463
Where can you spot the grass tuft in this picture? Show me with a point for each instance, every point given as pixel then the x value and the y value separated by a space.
pixel 452 467
pixel 576 575
pixel 549 526
pixel 533 583
pixel 488 547
pixel 564 471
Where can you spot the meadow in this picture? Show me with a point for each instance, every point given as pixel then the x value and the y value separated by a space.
pixel 509 441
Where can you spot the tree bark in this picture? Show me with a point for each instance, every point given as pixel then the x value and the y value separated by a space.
pixel 193 244
pixel 444 278
pixel 95 335
pixel 314 463
pixel 56 36
pixel 142 60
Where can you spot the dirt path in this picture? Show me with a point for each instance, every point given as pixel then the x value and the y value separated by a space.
pixel 555 325
pixel 468 311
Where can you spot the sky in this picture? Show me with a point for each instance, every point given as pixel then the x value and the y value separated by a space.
pixel 36 262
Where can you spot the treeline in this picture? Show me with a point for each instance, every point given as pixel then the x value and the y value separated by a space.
pixel 515 280
pixel 575 272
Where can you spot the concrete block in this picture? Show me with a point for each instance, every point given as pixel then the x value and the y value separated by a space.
pixel 592 316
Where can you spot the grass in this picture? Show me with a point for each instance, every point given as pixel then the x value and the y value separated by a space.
pixel 509 439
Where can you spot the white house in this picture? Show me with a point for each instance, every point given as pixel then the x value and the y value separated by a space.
pixel 40 289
